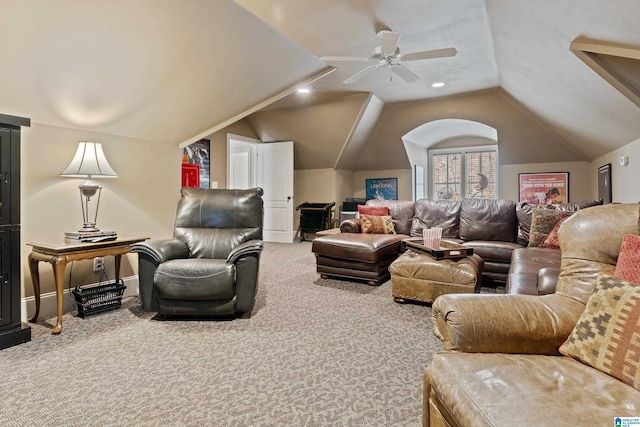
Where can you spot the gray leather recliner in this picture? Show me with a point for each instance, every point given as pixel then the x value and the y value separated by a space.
pixel 210 267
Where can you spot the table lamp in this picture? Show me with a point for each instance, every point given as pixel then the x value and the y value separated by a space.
pixel 89 162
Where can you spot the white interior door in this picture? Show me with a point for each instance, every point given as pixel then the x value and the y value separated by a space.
pixel 274 173
pixel 239 164
pixel 239 170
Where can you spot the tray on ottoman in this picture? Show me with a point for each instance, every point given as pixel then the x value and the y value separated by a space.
pixel 446 250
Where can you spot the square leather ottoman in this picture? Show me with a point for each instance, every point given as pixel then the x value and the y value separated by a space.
pixel 420 277
pixel 362 257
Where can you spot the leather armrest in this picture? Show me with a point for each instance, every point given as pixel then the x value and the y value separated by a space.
pixel 547 280
pixel 486 323
pixel 243 249
pixel 351 225
pixel 162 250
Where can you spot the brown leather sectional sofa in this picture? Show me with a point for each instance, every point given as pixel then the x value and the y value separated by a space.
pixel 497 230
pixel 502 366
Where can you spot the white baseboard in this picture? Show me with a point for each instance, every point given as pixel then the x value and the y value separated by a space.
pixel 48 303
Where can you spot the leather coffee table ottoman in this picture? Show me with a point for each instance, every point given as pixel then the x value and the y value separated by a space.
pixel 356 256
pixel 420 277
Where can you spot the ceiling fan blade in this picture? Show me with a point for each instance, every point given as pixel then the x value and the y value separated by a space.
pixel 428 54
pixel 389 42
pixel 344 59
pixel 405 73
pixel 359 74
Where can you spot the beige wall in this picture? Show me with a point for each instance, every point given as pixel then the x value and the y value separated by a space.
pixel 141 202
pixel 624 179
pixel 344 189
pixel 314 186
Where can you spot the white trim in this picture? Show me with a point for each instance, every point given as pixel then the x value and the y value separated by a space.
pixel 48 302
pixel 469 149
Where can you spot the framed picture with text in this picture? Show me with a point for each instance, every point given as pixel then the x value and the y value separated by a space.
pixel 382 188
pixel 543 188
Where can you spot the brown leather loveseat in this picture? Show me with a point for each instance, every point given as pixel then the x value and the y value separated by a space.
pixel 501 365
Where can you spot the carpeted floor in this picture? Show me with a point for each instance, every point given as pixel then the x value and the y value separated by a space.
pixel 314 353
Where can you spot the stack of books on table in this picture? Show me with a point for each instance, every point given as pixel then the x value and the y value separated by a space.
pixel 89 236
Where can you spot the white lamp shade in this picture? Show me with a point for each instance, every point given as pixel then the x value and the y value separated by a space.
pixel 89 161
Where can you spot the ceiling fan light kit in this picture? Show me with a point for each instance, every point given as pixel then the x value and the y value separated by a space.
pixel 387 55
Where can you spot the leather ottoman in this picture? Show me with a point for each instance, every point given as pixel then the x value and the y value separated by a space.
pixel 363 257
pixel 420 277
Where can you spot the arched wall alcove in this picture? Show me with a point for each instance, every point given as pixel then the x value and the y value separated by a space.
pixel 432 133
pixel 441 134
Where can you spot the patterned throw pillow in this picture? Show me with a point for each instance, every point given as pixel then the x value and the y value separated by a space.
pixel 551 241
pixel 628 265
pixel 373 210
pixel 607 335
pixel 373 224
pixel 542 222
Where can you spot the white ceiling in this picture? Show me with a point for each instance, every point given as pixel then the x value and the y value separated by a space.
pixel 168 70
pixel 349 28
pixel 522 46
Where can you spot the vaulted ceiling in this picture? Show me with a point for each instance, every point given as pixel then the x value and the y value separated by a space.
pixel 173 70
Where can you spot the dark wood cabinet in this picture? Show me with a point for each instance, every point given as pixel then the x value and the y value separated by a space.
pixel 12 330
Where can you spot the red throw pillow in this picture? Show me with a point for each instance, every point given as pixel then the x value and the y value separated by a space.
pixel 551 241
pixel 373 210
pixel 628 265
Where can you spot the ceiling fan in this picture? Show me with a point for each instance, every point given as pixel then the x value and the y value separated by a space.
pixel 388 55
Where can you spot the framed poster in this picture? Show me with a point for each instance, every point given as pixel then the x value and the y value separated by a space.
pixel 382 188
pixel 543 188
pixel 198 154
pixel 604 183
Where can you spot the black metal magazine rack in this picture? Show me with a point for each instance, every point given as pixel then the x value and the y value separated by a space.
pixel 314 217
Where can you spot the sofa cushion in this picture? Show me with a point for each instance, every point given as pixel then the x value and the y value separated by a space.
pixel 492 250
pixel 607 335
pixel 576 206
pixel 628 265
pixel 526 269
pixel 542 222
pixel 488 219
pixel 492 389
pixel 372 224
pixel 400 210
pixel 196 279
pixel 437 213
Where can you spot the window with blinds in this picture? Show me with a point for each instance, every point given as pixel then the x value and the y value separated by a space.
pixel 464 173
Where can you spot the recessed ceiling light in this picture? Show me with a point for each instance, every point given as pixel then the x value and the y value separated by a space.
pixel 438 84
pixel 303 90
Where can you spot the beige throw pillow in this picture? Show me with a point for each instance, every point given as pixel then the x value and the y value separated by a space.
pixel 371 224
pixel 607 335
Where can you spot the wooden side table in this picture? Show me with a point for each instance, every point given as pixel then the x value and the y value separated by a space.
pixel 61 254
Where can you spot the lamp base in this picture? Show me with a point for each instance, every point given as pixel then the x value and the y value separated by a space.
pixel 87 190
